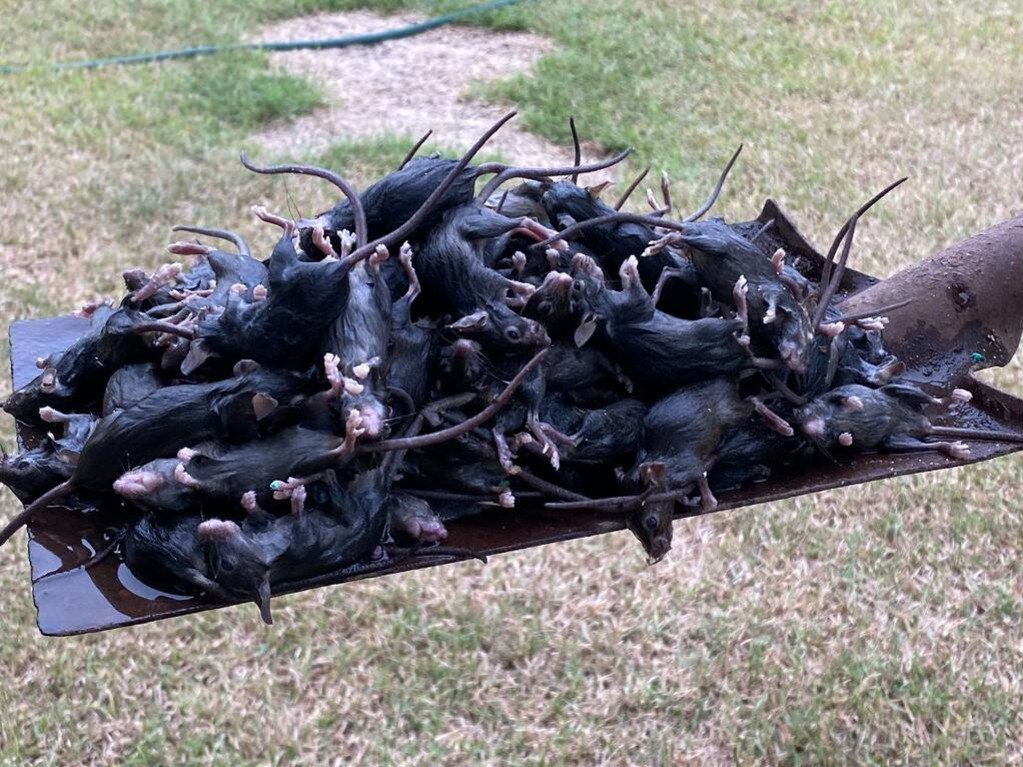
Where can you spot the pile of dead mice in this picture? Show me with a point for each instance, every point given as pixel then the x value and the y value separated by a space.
pixel 428 348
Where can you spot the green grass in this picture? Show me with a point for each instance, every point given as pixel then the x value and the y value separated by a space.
pixel 874 625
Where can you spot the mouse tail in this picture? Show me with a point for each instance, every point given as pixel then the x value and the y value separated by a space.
pixel 990 435
pixel 20 520
pixel 438 437
pixel 415 149
pixel 263 600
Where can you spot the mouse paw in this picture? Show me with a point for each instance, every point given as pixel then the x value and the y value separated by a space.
pixel 186 454
pixel 267 217
pixel 138 484
pixel 164 275
pixel 629 273
pixel 250 503
pixel 283 489
pixel 332 369
pixel 353 430
pixel 831 329
pixel 872 323
pixel 352 387
pixel 182 477
pixel 379 255
pixel 362 370
pixel 50 415
pixel 347 242
pixel 656 246
pixel 506 499
pixel 323 244
pixel 553 455
pixel 523 289
pixel 504 453
pixel 778 261
pixel 707 500
pixel 957 395
pixel 958 451
pixel 89 309
pixel 845 439
pixel 518 262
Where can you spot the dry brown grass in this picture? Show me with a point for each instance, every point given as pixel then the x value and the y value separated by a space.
pixel 874 625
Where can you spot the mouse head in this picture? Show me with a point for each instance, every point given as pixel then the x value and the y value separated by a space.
pixel 566 202
pixel 588 295
pixel 793 333
pixel 841 411
pixel 237 563
pixel 554 304
pixel 463 364
pixel 372 412
pixel 50 388
pixel 33 472
pixel 522 200
pixel 651 522
pixel 652 526
pixel 498 327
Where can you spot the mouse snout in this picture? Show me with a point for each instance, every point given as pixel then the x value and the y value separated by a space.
pixel 659 547
pixel 373 420
pixel 792 354
pixel 218 530
pixel 138 484
pixel 815 426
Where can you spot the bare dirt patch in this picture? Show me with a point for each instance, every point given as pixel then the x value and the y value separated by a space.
pixel 408 86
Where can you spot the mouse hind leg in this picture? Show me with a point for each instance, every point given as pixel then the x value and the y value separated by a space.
pixel 958 451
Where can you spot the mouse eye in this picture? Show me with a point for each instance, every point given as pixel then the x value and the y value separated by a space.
pixel 512 334
pixel 651 523
pixel 545 308
pixel 578 286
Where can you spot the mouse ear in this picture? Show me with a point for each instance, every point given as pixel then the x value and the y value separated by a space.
pixel 263 405
pixel 263 600
pixel 564 221
pixel 198 353
pixel 69 457
pixel 852 403
pixel 653 473
pixel 909 394
pixel 585 331
pixel 475 321
pixel 241 367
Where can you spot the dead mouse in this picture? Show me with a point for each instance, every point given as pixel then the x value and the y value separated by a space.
pixel 305 299
pixel 166 552
pixel 166 421
pixel 451 269
pixel 75 379
pixel 288 458
pixel 721 256
pixel 249 559
pixel 129 385
pixel 891 418
pixel 33 472
pixel 359 341
pixel 411 519
pixel 655 347
pixel 412 355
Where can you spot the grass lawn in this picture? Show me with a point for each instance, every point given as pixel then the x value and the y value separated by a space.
pixel 877 625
